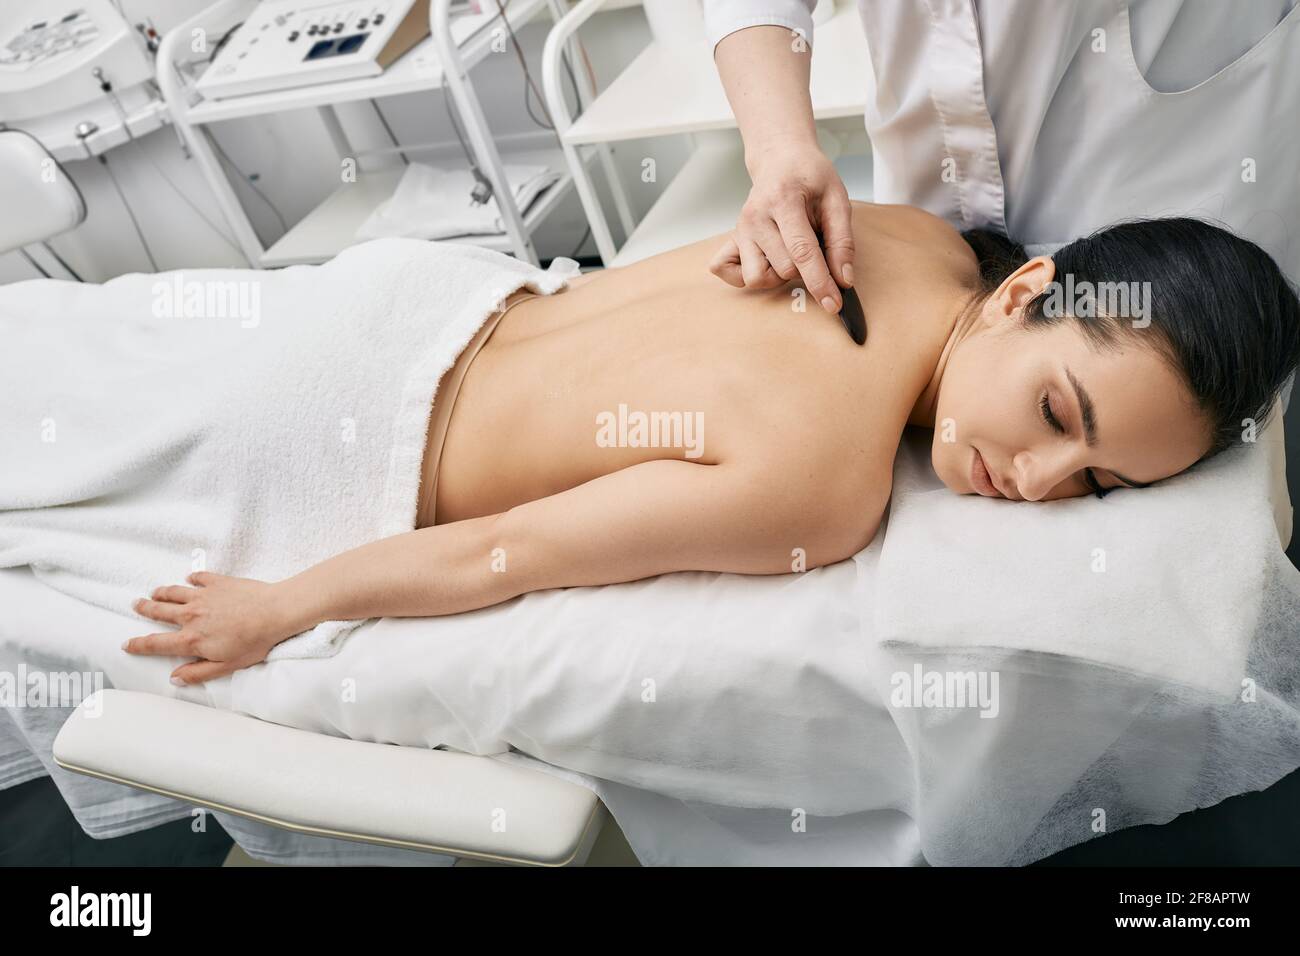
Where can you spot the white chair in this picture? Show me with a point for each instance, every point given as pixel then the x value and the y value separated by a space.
pixel 38 197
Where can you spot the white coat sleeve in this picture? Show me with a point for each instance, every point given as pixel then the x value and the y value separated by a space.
pixel 723 17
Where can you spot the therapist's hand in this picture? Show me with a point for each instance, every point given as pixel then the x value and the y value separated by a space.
pixel 228 623
pixel 796 194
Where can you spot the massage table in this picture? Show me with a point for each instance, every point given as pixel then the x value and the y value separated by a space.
pixel 310 794
pixel 718 718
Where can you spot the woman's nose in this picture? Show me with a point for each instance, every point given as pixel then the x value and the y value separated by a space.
pixel 1037 473
pixel 1025 471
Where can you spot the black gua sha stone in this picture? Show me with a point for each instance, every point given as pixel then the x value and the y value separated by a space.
pixel 852 316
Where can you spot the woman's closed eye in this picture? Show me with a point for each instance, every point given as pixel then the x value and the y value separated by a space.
pixel 1089 479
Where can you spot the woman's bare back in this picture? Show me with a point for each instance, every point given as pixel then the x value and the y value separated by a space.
pixel 791 470
pixel 736 377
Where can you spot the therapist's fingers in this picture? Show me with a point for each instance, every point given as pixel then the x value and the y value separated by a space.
pixel 725 263
pixel 799 237
pixel 837 233
pixel 754 267
pixel 767 237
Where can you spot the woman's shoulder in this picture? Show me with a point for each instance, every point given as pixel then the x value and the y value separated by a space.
pixel 931 234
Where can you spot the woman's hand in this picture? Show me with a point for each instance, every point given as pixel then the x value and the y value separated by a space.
pixel 796 192
pixel 228 623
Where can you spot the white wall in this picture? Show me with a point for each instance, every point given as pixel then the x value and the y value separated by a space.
pixel 296 167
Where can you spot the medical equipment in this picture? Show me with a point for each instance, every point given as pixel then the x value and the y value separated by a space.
pixel 40 201
pixel 66 62
pixel 85 129
pixel 79 79
pixel 369 175
pixel 54 55
pixel 288 43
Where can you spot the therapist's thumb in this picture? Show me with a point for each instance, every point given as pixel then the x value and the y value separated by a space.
pixel 837 234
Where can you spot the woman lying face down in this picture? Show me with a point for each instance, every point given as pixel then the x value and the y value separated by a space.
pixel 1124 358
pixel 651 419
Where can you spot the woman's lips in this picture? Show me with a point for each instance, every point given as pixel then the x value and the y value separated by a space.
pixel 979 477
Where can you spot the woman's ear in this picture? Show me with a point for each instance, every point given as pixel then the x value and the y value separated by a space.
pixel 1017 290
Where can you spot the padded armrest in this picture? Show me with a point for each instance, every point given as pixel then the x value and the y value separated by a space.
pixel 432 800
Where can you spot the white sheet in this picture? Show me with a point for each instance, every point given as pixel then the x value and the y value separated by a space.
pixel 763 714
pixel 251 422
pixel 770 712
pixel 433 203
pixel 1146 650
pixel 752 702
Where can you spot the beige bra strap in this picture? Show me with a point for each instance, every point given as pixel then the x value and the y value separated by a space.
pixel 444 402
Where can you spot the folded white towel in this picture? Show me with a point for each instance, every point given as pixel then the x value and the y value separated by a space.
pixel 248 422
pixel 432 203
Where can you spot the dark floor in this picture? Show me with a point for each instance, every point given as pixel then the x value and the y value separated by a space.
pixel 39 830
pixel 1255 829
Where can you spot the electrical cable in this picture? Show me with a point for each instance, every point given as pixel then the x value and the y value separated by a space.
pixel 455 125
pixel 103 158
pixel 581 242
pixel 383 119
pixel 35 265
pixel 189 202
pixel 222 42
pixel 248 181
pixel 61 261
pixel 483 191
pixel 484 187
pixel 528 76
pixel 530 87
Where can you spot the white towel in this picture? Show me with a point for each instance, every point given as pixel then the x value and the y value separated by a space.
pixel 1175 581
pixel 1068 668
pixel 245 422
pixel 432 203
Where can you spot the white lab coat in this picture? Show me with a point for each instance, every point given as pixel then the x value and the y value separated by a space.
pixel 1048 119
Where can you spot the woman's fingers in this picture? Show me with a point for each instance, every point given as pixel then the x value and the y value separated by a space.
pixel 167 644
pixel 160 611
pixel 200 671
pixel 180 644
pixel 174 594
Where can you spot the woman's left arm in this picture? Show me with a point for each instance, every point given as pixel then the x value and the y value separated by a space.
pixel 651 518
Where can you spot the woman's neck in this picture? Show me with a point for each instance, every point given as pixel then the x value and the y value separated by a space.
pixel 955 320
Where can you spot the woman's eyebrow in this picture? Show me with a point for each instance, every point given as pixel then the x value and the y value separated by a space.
pixel 1087 408
pixel 1089 413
